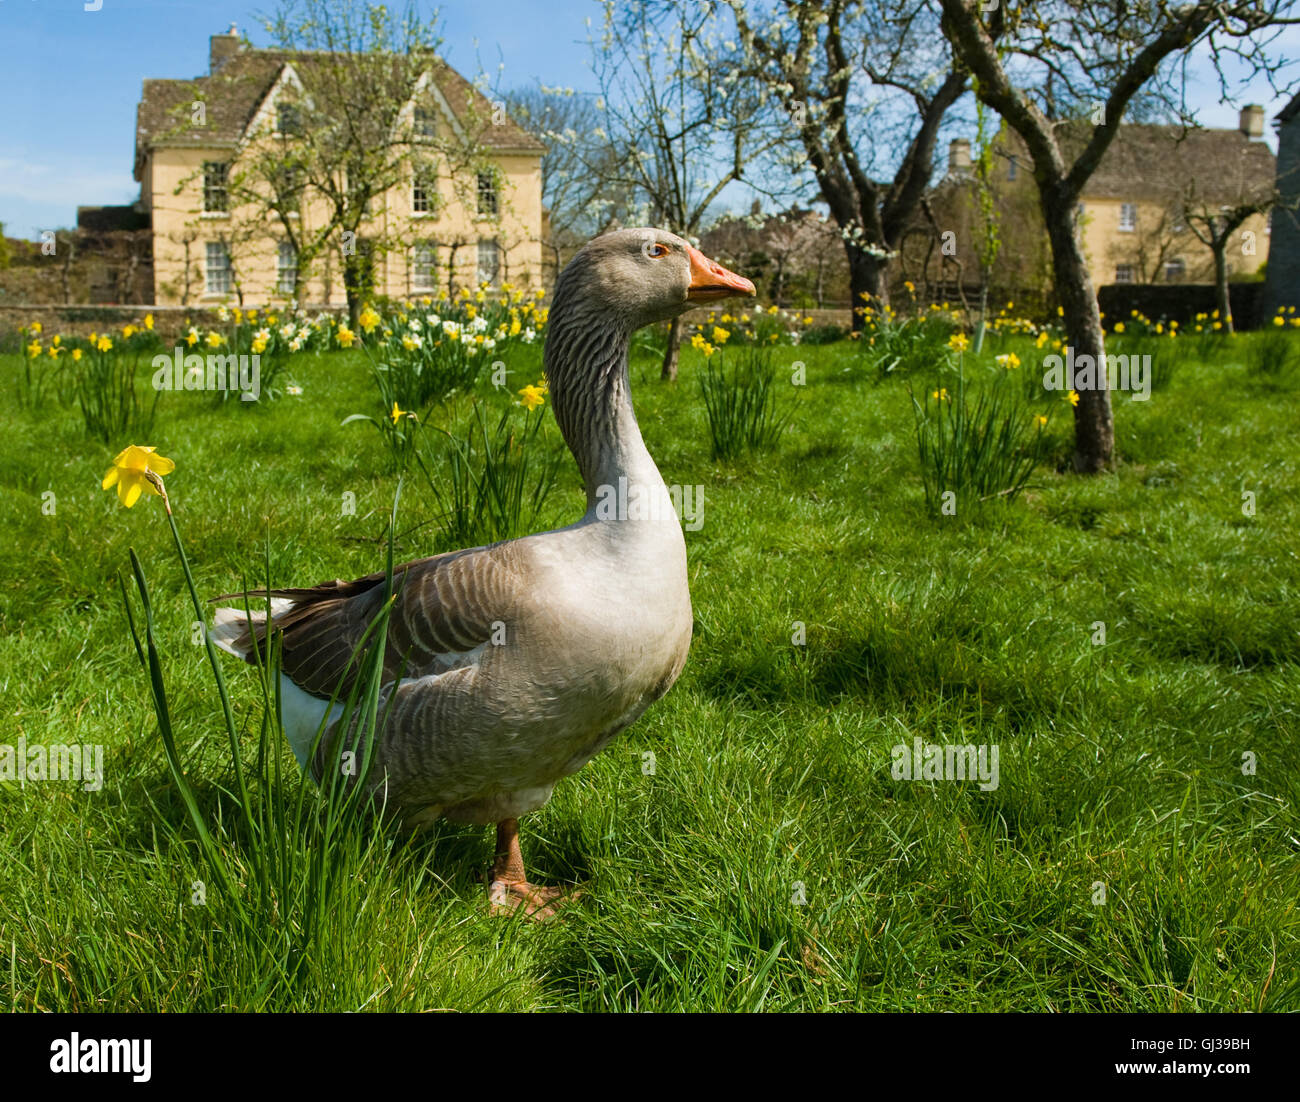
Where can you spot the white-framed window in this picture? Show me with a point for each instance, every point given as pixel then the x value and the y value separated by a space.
pixel 425 123
pixel 1175 269
pixel 424 192
pixel 489 261
pixel 216 269
pixel 487 193
pixel 424 267
pixel 1128 217
pixel 216 183
pixel 1124 273
pixel 286 269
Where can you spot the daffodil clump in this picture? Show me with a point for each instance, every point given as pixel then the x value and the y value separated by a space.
pixel 760 326
pixel 433 346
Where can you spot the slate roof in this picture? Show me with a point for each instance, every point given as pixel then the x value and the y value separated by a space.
pixel 1152 162
pixel 236 90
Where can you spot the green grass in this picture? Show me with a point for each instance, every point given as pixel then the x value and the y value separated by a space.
pixel 1120 764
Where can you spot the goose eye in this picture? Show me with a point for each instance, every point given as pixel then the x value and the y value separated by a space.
pixel 657 251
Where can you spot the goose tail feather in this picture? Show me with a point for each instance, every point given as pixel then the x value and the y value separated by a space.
pixel 234 630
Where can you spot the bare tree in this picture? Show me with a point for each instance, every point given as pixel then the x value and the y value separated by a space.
pixel 681 123
pixel 1036 67
pixel 580 179
pixel 834 64
pixel 1215 226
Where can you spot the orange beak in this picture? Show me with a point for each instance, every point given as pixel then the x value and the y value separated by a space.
pixel 710 280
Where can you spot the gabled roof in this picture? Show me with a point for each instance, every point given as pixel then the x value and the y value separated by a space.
pixel 233 94
pixel 1156 163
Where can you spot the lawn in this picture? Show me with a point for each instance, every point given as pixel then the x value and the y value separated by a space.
pixel 1140 852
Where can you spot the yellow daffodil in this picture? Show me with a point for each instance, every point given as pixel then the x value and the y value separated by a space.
pixel 103 344
pixel 34 328
pixel 398 414
pixel 148 321
pixel 1073 397
pixel 128 331
pixel 345 336
pixel 368 320
pixel 530 397
pixel 1009 360
pixel 76 354
pixel 720 335
pixel 135 470
pixel 959 342
pixel 34 349
pixel 1119 327
pixel 941 394
pixel 1040 420
pixel 214 339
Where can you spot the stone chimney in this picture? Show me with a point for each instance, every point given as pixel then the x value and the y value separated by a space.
pixel 959 155
pixel 222 47
pixel 1252 120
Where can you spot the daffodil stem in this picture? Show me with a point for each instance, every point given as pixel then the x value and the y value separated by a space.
pixel 231 731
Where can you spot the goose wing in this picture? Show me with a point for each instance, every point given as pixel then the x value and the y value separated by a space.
pixel 445 609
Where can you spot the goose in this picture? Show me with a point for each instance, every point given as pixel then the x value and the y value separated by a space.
pixel 509 667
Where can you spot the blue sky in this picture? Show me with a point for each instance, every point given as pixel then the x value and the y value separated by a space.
pixel 70 81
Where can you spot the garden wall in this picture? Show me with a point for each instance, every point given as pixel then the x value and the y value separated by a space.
pixel 1180 302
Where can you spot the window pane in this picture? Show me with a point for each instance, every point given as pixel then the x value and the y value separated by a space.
pixel 286 269
pixel 217 269
pixel 487 193
pixel 216 175
pixel 423 268
pixel 489 261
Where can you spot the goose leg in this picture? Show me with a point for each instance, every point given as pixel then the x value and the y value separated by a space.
pixel 509 889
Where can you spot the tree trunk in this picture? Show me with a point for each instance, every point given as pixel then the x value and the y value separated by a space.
pixel 1222 300
pixel 1094 426
pixel 866 277
pixel 672 352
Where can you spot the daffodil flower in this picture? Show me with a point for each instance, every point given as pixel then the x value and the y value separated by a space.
pixel 530 397
pixel 135 470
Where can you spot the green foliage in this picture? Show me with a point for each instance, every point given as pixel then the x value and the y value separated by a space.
pixel 1273 353
pixel 978 445
pixel 1120 763
pixel 301 847
pixel 114 401
pixel 489 483
pixel 902 347
pixel 741 405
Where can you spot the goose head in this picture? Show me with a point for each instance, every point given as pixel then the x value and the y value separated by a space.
pixel 641 276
